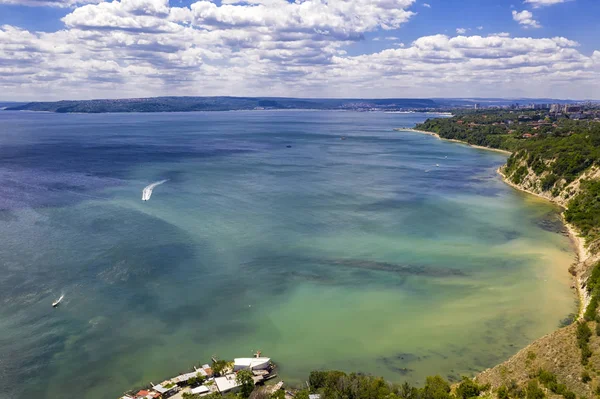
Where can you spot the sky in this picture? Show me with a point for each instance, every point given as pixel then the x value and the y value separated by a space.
pixel 83 49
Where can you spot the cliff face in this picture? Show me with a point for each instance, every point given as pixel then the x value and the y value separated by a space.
pixel 560 193
pixel 557 353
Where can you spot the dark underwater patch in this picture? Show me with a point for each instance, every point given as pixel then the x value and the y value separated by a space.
pixel 397 363
pixel 410 269
pixel 551 222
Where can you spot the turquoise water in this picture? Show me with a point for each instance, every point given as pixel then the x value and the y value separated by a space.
pixel 359 254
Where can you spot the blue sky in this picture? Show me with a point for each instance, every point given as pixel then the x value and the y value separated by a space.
pixel 383 48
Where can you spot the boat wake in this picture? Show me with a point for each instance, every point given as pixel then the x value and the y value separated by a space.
pixel 147 191
pixel 55 303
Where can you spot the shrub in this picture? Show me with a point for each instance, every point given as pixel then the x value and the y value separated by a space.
pixel 549 181
pixel 503 393
pixel 219 366
pixel 585 377
pixel 519 175
pixel 534 391
pixel 583 335
pixel 546 377
pixel 469 389
pixel 245 380
pixel 436 388
pixel 584 210
pixel 586 353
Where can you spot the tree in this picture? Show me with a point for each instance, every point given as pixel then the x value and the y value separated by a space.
pixel 218 367
pixel 469 389
pixel 534 391
pixel 407 391
pixel 197 380
pixel 503 392
pixel 303 394
pixel 436 388
pixel 244 378
pixel 278 394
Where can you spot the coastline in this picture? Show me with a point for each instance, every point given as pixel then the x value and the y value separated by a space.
pixel 454 141
pixel 578 243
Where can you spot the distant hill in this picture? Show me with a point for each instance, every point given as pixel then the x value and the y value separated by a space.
pixel 7 104
pixel 185 104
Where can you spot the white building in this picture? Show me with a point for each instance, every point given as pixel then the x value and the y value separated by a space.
pixel 201 390
pixel 226 383
pixel 252 363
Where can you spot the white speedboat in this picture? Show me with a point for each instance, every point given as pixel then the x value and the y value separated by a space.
pixel 55 303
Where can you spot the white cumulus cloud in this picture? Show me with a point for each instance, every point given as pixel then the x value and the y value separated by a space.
pixel 134 48
pixel 50 3
pixel 525 18
pixel 541 3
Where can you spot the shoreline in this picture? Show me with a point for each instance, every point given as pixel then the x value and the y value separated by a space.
pixel 578 244
pixel 454 141
pixel 581 253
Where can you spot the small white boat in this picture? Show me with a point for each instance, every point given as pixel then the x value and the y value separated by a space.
pixel 55 303
pixel 437 165
pixel 147 191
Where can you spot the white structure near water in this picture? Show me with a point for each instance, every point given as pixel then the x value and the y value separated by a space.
pixel 200 390
pixel 226 383
pixel 252 363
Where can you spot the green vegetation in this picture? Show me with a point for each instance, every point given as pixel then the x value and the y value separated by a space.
pixel 244 379
pixel 339 385
pixel 197 380
pixel 586 377
pixel 469 389
pixel 549 380
pixel 503 393
pixel 593 287
pixel 219 366
pixel 534 391
pixel 584 210
pixel 583 335
pixel 513 390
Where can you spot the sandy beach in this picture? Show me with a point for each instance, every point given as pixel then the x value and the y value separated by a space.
pixel 454 141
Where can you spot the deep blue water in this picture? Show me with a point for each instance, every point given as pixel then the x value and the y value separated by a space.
pixel 340 253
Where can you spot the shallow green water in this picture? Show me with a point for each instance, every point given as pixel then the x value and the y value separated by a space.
pixel 358 254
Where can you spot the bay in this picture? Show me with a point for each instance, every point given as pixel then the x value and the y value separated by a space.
pixel 324 239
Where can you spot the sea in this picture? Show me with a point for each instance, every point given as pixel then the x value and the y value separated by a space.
pixel 323 239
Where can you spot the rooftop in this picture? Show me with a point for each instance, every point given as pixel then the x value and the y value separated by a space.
pixel 226 383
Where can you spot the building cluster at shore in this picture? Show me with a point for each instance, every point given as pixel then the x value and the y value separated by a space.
pixel 527 124
pixel 207 380
pixel 583 110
